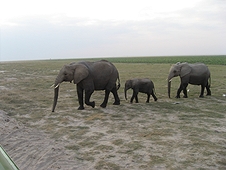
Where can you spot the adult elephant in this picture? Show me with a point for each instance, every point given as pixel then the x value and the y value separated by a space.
pixel 196 74
pixel 143 85
pixel 89 76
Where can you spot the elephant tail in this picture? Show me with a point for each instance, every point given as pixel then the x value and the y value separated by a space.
pixel 118 86
pixel 154 90
pixel 209 82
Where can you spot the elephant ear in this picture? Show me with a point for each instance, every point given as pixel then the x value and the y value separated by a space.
pixel 129 83
pixel 81 72
pixel 185 69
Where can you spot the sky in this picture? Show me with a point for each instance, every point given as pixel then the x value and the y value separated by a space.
pixel 60 29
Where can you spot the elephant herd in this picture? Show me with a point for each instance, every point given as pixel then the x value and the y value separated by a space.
pixel 103 75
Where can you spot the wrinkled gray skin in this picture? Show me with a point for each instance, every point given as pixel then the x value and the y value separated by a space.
pixel 195 74
pixel 140 85
pixel 89 76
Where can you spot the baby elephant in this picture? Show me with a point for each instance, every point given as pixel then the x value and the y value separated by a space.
pixel 140 85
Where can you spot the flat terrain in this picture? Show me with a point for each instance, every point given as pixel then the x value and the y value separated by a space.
pixel 167 134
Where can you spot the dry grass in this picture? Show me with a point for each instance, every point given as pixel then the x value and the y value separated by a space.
pixel 167 134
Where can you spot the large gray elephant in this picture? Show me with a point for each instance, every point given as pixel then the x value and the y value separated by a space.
pixel 89 76
pixel 196 74
pixel 140 85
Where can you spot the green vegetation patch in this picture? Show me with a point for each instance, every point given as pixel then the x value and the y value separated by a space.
pixel 216 60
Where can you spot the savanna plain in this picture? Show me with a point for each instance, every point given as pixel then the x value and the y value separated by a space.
pixel 185 133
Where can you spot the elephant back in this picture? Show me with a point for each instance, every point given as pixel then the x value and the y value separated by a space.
pixel 200 69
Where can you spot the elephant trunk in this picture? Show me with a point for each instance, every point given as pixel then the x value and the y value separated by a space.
pixel 169 86
pixel 169 82
pixel 125 92
pixel 56 92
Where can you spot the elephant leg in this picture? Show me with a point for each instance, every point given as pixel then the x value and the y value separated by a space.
pixel 185 92
pixel 208 90
pixel 104 104
pixel 134 96
pixel 202 91
pixel 178 91
pixel 117 100
pixel 148 98
pixel 80 98
pixel 153 95
pixel 88 94
pixel 184 88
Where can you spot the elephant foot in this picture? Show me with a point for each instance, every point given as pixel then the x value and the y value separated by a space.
pixel 156 99
pixel 201 96
pixel 177 97
pixel 116 103
pixel 185 96
pixel 147 101
pixel 103 105
pixel 81 108
pixel 208 94
pixel 92 104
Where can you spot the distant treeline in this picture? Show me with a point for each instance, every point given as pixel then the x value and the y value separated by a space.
pixel 215 59
pixel 209 59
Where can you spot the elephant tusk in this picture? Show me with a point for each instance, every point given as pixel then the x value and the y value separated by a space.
pixel 52 85
pixel 170 80
pixel 57 85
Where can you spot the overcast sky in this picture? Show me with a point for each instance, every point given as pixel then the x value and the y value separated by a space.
pixel 53 29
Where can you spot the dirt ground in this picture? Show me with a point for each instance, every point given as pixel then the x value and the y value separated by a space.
pixel 105 139
pixel 33 149
pixel 168 134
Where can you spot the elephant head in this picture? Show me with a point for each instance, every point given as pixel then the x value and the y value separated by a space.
pixel 178 69
pixel 72 72
pixel 128 85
